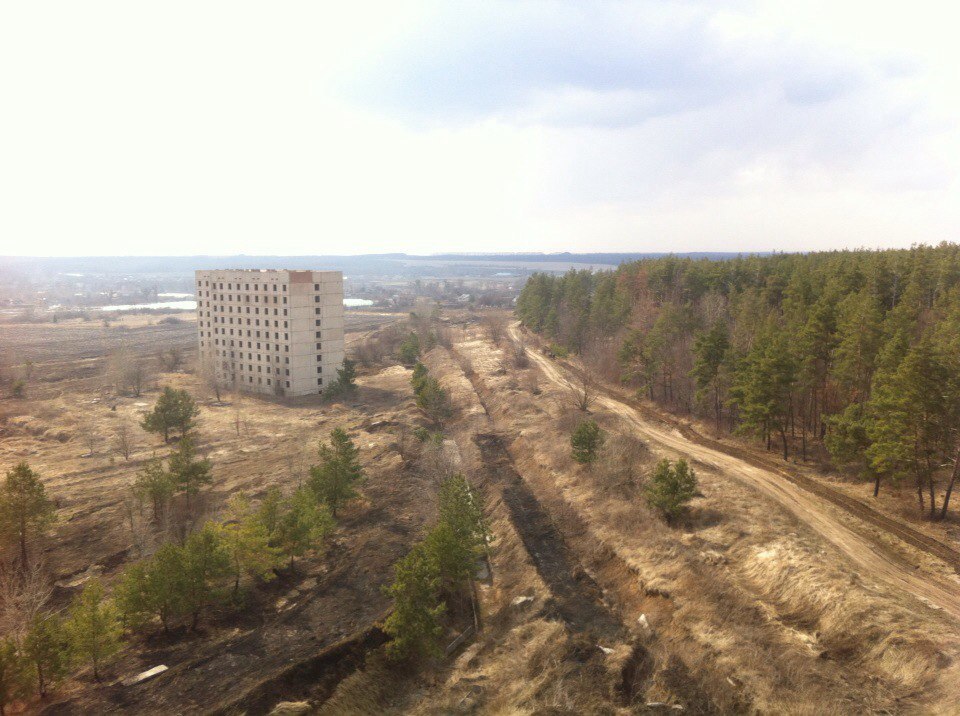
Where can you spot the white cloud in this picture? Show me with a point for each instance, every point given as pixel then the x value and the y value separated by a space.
pixel 226 127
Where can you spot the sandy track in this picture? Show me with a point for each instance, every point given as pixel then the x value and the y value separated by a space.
pixel 808 508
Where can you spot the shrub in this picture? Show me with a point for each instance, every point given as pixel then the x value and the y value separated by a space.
pixel 12 672
pixel 586 441
pixel 670 488
pixel 344 382
pixel 409 350
pixel 432 399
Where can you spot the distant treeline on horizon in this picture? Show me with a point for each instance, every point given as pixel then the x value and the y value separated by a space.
pixel 373 263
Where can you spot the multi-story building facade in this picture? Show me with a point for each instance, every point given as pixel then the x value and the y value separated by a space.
pixel 276 332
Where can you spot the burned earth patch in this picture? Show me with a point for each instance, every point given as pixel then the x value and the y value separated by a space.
pixel 576 597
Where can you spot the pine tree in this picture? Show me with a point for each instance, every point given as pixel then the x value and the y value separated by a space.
pixel 458 540
pixel 433 400
pixel 419 376
pixel 847 440
pixel 344 382
pixel 303 525
pixel 246 540
pixel 25 510
pixel 334 481
pixel 409 349
pixel 711 354
pixel 174 410
pixel 156 485
pixel 586 441
pixel 911 420
pixel 763 388
pixel 670 488
pixel 45 650
pixel 188 474
pixel 347 374
pixel 414 624
pixel 93 628
pixel 461 509
pixel 206 564
pixel 153 588
pixel 270 511
pixel 860 335
pixel 12 677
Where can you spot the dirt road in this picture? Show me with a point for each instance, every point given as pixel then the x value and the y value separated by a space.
pixel 810 509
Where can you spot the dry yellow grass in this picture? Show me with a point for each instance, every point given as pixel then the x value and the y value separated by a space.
pixel 795 630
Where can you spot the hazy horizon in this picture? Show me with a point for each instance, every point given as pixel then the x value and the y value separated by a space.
pixel 222 128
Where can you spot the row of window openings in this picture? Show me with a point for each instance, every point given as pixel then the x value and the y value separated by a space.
pixel 240 299
pixel 256 286
pixel 286 359
pixel 256 312
pixel 217 308
pixel 229 319
pixel 276 335
pixel 223 319
pixel 249 368
pixel 260 381
pixel 286 337
pixel 240 331
pixel 266 347
pixel 246 286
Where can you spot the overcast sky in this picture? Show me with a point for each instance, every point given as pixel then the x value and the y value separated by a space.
pixel 318 127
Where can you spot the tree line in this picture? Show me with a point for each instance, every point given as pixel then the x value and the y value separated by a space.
pixel 851 355
pixel 435 572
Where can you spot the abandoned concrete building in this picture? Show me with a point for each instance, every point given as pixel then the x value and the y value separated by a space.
pixel 266 331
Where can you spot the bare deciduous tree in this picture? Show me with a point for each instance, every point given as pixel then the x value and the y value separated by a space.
pixel 127 372
pixel 584 392
pixel 296 460
pixel 209 378
pixel 520 357
pixel 622 461
pixel 123 439
pixel 437 462
pixel 377 346
pixel 495 324
pixel 238 421
pixel 138 522
pixel 409 446
pixel 90 437
pixel 23 594
pixel 171 359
